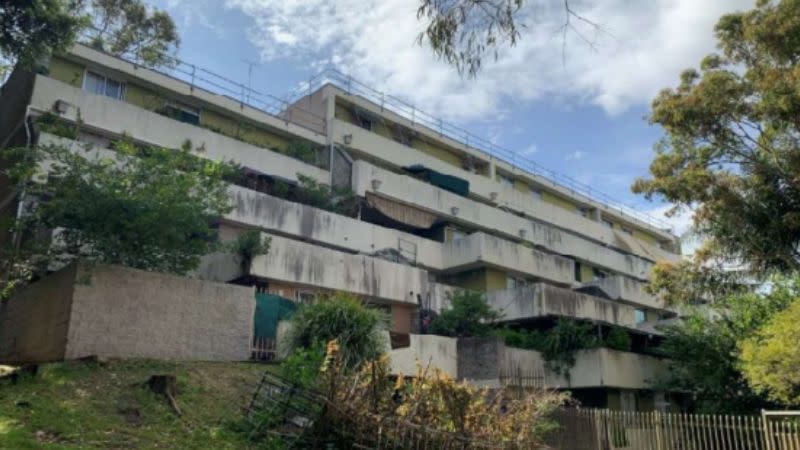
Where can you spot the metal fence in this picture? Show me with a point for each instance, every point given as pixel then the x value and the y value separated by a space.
pixel 620 430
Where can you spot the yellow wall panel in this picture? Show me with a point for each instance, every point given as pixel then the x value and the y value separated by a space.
pixel 66 71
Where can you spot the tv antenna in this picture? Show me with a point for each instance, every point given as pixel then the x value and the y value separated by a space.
pixel 250 65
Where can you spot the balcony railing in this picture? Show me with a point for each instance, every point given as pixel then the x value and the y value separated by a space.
pixel 446 129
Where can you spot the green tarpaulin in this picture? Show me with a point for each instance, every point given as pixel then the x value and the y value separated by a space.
pixel 269 310
pixel 453 184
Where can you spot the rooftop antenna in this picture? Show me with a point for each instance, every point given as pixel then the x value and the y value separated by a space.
pixel 250 65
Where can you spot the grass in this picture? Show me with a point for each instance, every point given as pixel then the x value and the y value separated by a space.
pixel 84 405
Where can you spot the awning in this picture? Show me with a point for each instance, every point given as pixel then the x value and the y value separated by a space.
pixel 399 212
pixel 453 184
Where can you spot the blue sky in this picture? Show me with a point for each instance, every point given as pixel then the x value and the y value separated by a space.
pixel 581 113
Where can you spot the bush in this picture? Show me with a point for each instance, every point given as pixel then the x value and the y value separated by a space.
pixel 469 315
pixel 617 339
pixel 344 318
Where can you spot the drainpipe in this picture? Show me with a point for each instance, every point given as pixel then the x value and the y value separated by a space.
pixel 23 184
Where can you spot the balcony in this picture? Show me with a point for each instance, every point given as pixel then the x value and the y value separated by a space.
pixel 117 118
pixel 368 178
pixel 305 264
pixel 269 213
pixel 543 300
pixel 487 189
pixel 625 290
pixel 480 249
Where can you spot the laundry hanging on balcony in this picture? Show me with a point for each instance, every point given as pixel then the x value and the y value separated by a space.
pixel 450 183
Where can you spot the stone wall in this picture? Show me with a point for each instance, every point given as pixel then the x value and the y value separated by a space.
pixel 117 312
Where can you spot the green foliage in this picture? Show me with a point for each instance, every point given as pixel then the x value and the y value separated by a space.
pixel 310 192
pixel 771 357
pixel 33 29
pixel 563 340
pixel 344 318
pixel 304 151
pixel 732 144
pixel 468 315
pixel 130 26
pixel 463 32
pixel 147 208
pixel 617 339
pixel 53 124
pixel 249 245
pixel 703 354
pixel 559 343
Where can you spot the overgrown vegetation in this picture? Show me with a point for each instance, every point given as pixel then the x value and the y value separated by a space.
pixel 349 406
pixel 731 151
pixel 146 208
pixel 468 315
pixel 248 245
pixel 83 405
pixel 344 318
pixel 49 122
pixel 309 191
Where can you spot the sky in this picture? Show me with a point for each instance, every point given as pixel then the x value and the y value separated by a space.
pixel 576 103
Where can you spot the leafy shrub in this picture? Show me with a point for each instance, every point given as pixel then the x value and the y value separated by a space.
pixel 249 245
pixel 468 315
pixel 53 124
pixel 344 318
pixel 617 339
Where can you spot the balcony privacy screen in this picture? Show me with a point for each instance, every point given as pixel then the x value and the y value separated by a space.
pixel 448 182
pixel 270 309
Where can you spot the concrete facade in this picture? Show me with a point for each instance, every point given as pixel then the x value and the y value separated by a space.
pixel 296 262
pixel 541 300
pixel 116 312
pixel 117 118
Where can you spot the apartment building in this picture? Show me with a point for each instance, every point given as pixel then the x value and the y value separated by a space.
pixel 431 208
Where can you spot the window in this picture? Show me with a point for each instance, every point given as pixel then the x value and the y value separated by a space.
pixel 364 122
pixel 582 211
pixel 506 181
pixel 100 85
pixel 536 194
pixel 183 112
pixel 305 297
pixel 456 234
pixel 513 282
pixel 608 223
pixel 577 271
pixel 627 230
pixel 639 316
pixel 598 274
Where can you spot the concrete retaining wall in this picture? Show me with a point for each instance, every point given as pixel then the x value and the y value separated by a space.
pixel 117 312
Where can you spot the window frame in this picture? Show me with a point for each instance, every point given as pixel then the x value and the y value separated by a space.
pixel 185 109
pixel 122 85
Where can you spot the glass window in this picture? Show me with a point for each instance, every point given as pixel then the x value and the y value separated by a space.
pixel 183 112
pixel 506 181
pixel 598 274
pixel 583 212
pixel 639 316
pixel 365 123
pixel 536 194
pixel 512 282
pixel 100 85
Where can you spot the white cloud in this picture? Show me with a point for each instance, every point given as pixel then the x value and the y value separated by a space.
pixel 575 156
pixel 680 222
pixel 647 45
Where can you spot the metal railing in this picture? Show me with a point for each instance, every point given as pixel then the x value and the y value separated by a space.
pixel 290 111
pixel 446 129
pixel 618 430
pixel 200 78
